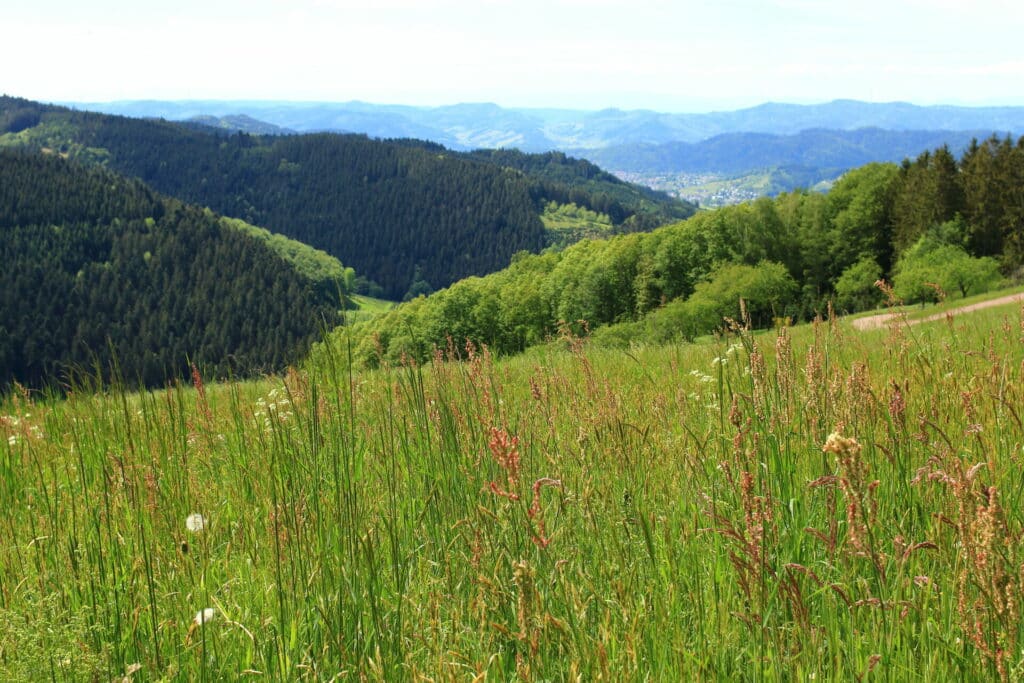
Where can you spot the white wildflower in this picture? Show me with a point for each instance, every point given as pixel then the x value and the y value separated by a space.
pixel 195 522
pixel 204 616
pixel 12 440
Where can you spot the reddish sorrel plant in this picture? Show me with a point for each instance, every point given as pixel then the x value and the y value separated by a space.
pixel 991 570
pixel 505 450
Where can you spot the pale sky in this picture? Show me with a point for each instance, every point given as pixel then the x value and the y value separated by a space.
pixel 585 54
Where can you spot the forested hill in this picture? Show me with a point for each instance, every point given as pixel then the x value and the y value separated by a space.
pixel 561 178
pixel 410 216
pixel 936 226
pixel 97 267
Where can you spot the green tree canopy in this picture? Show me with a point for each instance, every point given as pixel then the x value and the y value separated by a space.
pixel 932 263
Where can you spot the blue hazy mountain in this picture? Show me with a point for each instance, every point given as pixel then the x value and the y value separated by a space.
pixel 485 125
pixel 813 143
pixel 732 153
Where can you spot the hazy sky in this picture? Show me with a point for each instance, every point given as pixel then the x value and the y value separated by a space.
pixel 673 55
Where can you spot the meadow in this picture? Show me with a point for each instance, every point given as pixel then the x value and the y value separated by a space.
pixel 812 503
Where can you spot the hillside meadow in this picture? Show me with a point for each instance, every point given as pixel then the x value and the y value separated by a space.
pixel 805 503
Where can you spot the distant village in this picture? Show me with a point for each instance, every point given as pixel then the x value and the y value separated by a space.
pixel 707 190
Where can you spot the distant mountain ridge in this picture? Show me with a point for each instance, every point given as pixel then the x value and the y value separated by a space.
pixel 239 123
pixel 487 125
pixel 731 153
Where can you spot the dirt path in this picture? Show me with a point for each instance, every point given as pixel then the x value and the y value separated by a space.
pixel 873 321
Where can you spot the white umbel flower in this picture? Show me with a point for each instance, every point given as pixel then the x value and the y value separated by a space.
pixel 195 522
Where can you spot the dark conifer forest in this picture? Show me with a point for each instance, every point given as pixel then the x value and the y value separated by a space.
pixel 408 215
pixel 98 267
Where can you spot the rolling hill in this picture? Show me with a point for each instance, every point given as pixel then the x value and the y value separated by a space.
pixel 407 214
pixel 99 269
pixel 735 167
pixel 735 153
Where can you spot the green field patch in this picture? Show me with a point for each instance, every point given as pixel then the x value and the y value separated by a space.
pixel 568 223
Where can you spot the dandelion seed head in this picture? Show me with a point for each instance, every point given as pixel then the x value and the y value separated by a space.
pixel 205 615
pixel 195 522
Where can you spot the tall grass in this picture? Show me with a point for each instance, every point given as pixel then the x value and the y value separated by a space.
pixel 817 503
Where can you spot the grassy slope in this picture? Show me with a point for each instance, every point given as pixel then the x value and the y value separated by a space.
pixel 664 514
pixel 367 307
pixel 568 223
pixel 316 265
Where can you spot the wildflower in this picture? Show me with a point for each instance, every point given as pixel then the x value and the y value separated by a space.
pixel 204 616
pixel 12 440
pixel 195 522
